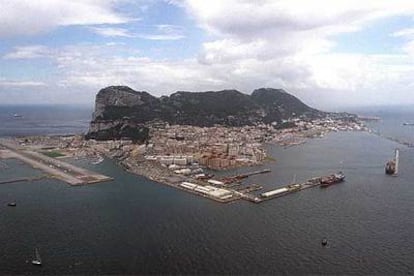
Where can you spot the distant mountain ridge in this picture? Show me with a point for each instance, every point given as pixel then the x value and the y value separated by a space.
pixel 123 112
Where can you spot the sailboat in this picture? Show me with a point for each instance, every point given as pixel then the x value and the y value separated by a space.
pixel 37 260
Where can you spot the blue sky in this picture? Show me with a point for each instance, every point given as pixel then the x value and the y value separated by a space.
pixel 330 54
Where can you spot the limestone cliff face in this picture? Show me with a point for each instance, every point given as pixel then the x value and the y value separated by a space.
pixel 118 96
pixel 121 112
pixel 106 125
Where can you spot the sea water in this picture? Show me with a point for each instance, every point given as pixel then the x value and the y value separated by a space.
pixel 135 226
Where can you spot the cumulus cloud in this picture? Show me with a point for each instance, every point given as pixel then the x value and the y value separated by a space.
pixel 254 18
pixel 279 43
pixel 83 66
pixel 294 40
pixel 22 17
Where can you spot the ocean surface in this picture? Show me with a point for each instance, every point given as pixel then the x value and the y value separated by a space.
pixel 135 226
pixel 21 120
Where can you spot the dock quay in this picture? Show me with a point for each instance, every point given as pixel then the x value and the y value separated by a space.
pixel 225 194
pixel 54 168
pixel 220 192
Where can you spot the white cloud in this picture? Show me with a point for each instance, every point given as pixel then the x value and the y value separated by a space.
pixel 263 43
pixel 28 52
pixel 159 32
pixel 20 84
pixel 163 32
pixel 407 32
pixel 111 32
pixel 353 78
pixel 24 17
pixel 243 18
pixel 294 40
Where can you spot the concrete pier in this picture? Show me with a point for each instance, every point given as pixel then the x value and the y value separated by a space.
pixel 286 190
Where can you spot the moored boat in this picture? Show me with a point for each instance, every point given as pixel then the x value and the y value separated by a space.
pixel 391 167
pixel 332 179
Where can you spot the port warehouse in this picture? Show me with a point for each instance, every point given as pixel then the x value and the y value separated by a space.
pixel 275 192
pixel 219 193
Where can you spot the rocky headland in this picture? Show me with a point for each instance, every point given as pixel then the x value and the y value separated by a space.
pixel 121 112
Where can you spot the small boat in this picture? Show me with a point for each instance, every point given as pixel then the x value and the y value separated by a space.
pixel 11 204
pixel 37 260
pixel 16 115
pixel 98 160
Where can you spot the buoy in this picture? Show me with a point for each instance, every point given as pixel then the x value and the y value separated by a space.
pixel 324 242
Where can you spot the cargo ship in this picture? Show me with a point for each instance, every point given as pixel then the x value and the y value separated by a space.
pixel 332 179
pixel 390 167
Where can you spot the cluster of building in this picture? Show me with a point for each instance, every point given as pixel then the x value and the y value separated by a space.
pixel 304 129
pixel 222 147
pixel 213 147
pixel 186 150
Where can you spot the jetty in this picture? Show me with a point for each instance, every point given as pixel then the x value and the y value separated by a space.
pixel 288 189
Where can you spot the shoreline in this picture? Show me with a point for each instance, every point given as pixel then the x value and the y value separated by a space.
pixel 176 154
